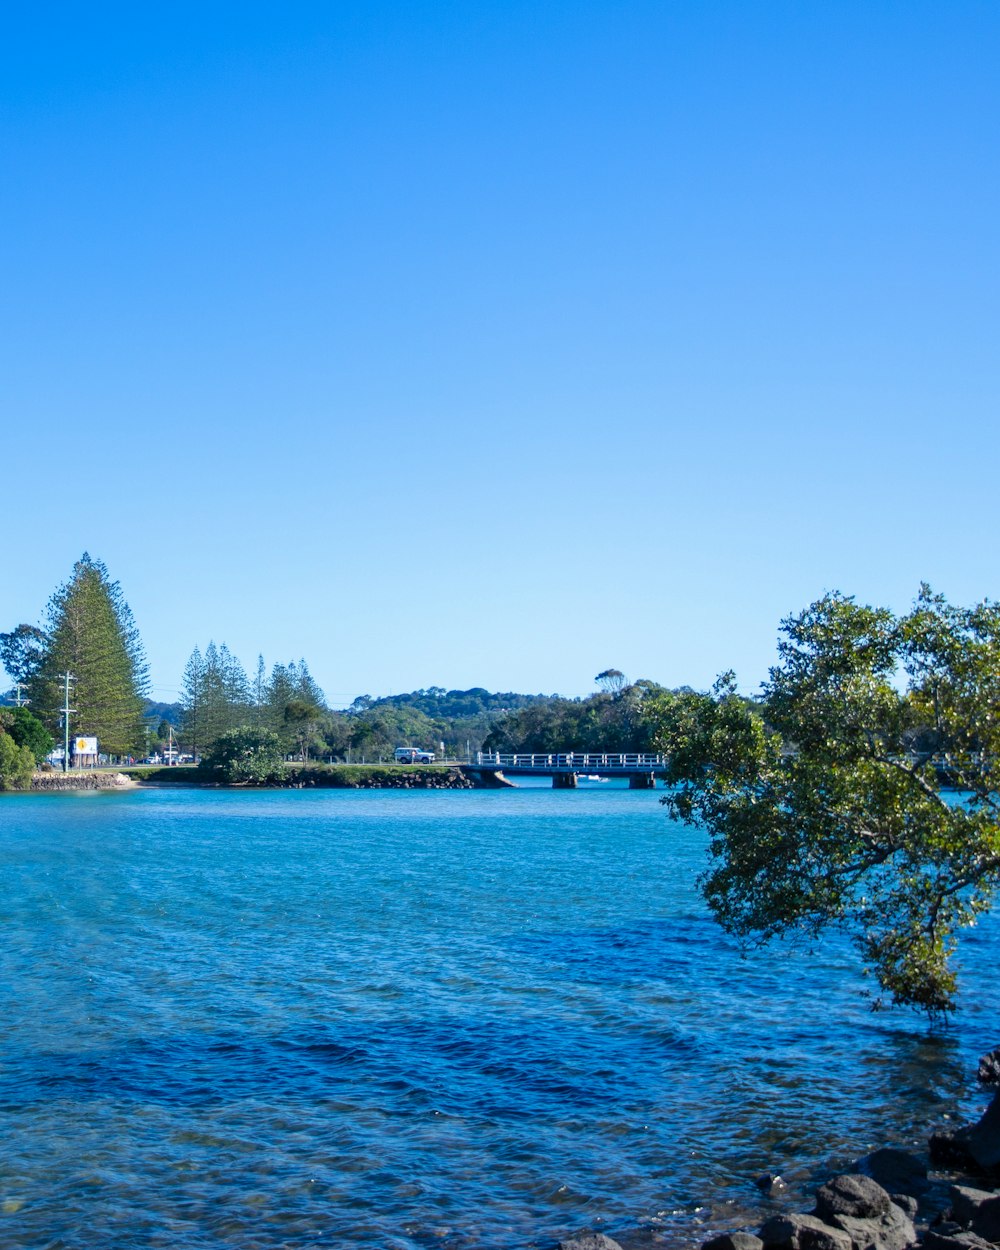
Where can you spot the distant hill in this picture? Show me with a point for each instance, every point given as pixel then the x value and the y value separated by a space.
pixel 444 704
pixel 170 712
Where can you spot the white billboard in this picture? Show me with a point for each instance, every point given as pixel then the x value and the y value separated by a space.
pixel 84 746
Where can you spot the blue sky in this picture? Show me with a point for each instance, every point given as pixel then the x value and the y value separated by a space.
pixel 498 344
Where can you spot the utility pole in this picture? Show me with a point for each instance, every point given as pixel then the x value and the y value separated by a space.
pixel 67 678
pixel 20 702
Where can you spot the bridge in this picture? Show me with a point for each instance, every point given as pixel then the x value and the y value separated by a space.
pixel 566 767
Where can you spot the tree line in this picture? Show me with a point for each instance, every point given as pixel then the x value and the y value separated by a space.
pixel 87 654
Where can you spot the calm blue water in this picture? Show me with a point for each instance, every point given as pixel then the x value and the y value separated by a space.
pixel 419 1019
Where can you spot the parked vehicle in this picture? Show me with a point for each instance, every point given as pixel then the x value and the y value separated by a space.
pixel 412 755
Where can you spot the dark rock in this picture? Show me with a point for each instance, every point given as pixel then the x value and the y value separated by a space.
pixel 948 1150
pixel 854 1195
pixel 976 1147
pixel 934 1239
pixel 989 1068
pixel 983 1139
pixel 891 1231
pixel 897 1171
pixel 734 1241
pixel 802 1232
pixel 907 1204
pixel 978 1209
pixel 589 1241
pixel 770 1183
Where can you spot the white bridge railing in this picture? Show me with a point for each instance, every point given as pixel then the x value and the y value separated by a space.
pixel 589 761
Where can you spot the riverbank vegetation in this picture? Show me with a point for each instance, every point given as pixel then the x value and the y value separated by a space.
pixel 297 776
pixel 24 744
pixel 825 801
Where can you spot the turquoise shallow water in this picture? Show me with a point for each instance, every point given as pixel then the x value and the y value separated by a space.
pixel 416 1019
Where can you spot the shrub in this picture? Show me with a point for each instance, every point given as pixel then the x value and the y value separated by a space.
pixel 245 755
pixel 17 764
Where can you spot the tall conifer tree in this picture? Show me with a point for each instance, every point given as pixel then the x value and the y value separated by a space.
pixel 216 696
pixel 192 698
pixel 92 635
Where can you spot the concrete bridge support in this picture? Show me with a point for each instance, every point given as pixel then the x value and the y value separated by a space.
pixel 642 781
pixel 564 781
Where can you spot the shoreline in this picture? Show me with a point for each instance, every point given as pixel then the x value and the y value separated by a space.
pixel 296 777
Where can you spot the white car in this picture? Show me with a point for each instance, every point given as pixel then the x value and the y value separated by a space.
pixel 411 755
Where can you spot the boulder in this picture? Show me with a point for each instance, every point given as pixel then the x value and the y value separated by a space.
pixel 983 1139
pixel 907 1204
pixel 802 1232
pixel 854 1195
pixel 976 1209
pixel 892 1231
pixel 897 1171
pixel 734 1241
pixel 975 1147
pixel 589 1241
pixel 934 1239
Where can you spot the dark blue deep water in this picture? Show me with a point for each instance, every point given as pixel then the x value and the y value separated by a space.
pixel 419 1019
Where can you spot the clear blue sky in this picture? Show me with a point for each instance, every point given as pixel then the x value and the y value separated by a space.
pixel 496 344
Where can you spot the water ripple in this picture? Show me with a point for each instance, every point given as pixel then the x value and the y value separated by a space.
pixel 418 1020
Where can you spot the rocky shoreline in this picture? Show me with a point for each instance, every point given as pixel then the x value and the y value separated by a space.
pixel 82 781
pixel 296 777
pixel 948 1199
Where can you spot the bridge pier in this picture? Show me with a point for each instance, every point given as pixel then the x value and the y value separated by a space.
pixel 564 781
pixel 642 781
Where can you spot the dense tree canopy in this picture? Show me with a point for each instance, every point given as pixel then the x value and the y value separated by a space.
pixel 613 720
pixel 825 803
pixel 218 698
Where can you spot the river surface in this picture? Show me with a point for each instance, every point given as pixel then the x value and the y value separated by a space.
pixel 416 1019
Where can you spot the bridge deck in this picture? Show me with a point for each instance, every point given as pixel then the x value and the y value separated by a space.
pixel 597 763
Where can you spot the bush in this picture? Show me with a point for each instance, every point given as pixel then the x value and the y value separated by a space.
pixel 17 764
pixel 245 755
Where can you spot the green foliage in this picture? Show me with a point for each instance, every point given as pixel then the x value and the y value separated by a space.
pixel 425 718
pixel 28 731
pixel 248 754
pixel 824 802
pixel 22 652
pixel 17 762
pixel 91 634
pixel 215 695
pixel 295 708
pixel 217 698
pixel 614 720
